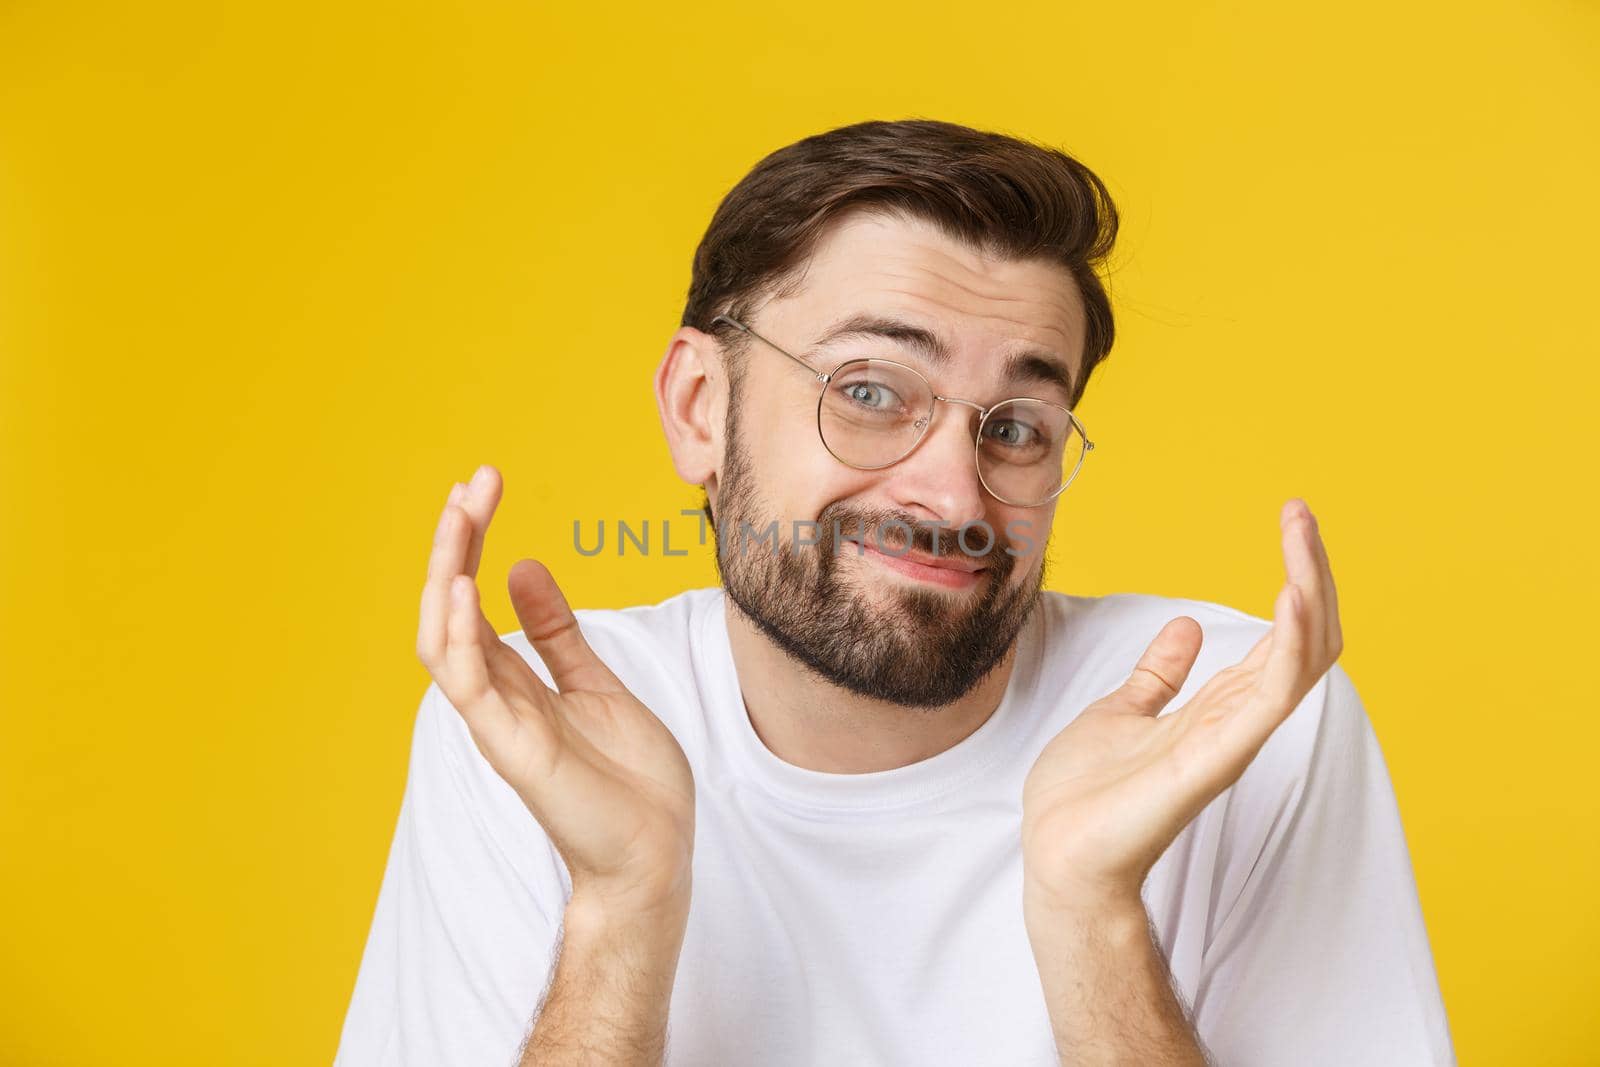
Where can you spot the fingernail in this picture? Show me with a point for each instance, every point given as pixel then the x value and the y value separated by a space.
pixel 455 493
pixel 479 475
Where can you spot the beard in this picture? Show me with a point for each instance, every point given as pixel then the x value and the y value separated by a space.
pixel 918 648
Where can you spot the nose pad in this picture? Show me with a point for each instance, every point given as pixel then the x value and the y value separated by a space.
pixel 971 419
pixel 966 415
pixel 948 485
pixel 922 423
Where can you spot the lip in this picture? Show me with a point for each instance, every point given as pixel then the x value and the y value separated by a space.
pixel 951 572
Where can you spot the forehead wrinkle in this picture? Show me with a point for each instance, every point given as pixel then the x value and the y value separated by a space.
pixel 1065 335
pixel 1058 294
pixel 1031 362
pixel 1000 295
pixel 1060 298
pixel 859 247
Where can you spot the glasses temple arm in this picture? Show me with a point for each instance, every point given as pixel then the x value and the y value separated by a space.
pixel 821 376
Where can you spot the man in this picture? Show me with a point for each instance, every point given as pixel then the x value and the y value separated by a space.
pixel 880 799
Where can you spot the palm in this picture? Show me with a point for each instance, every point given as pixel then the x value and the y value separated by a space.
pixel 604 777
pixel 1113 789
pixel 598 770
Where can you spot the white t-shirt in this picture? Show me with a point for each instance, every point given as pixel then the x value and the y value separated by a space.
pixel 846 919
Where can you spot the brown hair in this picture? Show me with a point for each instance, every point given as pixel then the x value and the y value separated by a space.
pixel 1003 196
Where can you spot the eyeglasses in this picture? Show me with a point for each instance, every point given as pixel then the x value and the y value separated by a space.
pixel 873 413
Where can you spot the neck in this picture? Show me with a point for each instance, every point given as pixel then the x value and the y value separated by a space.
pixel 812 723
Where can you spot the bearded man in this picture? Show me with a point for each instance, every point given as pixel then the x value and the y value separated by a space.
pixel 880 798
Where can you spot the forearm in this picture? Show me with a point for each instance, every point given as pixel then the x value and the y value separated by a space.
pixel 1106 986
pixel 612 985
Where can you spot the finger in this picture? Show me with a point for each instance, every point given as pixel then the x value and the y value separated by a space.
pixel 479 499
pixel 1282 683
pixel 1333 633
pixel 444 563
pixel 1256 658
pixel 466 677
pixel 466 680
pixel 1161 671
pixel 1302 568
pixel 552 629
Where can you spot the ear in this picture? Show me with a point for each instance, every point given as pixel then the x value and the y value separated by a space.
pixel 692 398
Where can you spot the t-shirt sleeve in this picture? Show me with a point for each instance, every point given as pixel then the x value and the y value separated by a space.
pixel 468 914
pixel 1322 956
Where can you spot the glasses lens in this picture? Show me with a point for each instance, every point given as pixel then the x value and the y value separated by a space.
pixel 873 412
pixel 1027 450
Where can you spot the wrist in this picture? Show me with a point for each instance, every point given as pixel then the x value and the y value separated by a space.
pixel 1081 906
pixel 595 918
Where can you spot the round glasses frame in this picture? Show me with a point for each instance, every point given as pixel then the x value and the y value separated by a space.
pixel 926 420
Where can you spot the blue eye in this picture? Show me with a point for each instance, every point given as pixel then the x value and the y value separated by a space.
pixel 1012 433
pixel 872 395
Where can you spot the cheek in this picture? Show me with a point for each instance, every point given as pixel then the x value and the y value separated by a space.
pixel 813 485
pixel 795 475
pixel 1025 532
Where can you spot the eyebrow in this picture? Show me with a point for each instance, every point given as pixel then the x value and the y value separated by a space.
pixel 1033 364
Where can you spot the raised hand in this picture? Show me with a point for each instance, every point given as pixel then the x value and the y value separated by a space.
pixel 603 776
pixel 1113 789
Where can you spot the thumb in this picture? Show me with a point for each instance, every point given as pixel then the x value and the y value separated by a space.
pixel 1161 671
pixel 552 629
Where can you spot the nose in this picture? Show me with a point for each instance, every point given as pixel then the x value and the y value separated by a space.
pixel 939 479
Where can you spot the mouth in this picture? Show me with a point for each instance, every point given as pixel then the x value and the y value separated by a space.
pixel 949 572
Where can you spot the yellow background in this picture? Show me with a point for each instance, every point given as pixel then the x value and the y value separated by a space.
pixel 272 276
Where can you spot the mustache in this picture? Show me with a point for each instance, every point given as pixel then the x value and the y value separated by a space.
pixel 899 532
